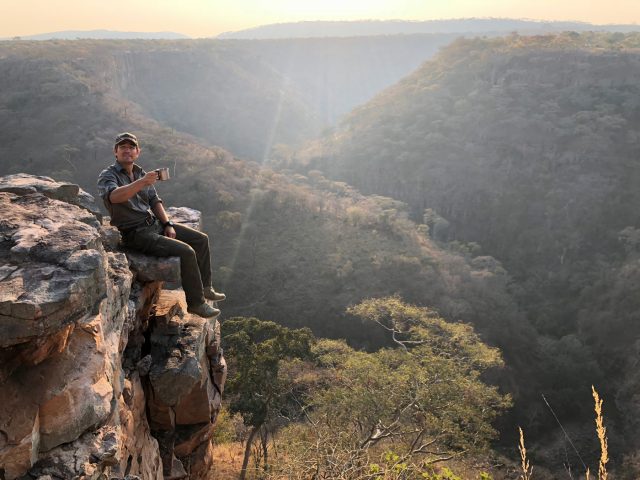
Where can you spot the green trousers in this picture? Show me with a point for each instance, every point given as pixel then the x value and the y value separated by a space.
pixel 192 246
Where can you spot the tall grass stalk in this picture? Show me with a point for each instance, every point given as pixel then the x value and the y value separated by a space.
pixel 602 436
pixel 526 469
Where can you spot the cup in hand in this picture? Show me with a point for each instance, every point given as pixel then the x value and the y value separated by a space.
pixel 163 174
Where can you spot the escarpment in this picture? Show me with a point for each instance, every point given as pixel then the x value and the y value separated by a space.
pixel 104 375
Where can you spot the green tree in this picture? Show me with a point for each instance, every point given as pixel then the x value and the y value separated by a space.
pixel 423 400
pixel 256 349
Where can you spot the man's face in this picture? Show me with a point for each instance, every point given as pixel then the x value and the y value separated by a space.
pixel 126 153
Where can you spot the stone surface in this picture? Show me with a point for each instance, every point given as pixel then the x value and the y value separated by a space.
pixel 190 437
pixel 69 414
pixel 71 391
pixel 91 456
pixel 187 216
pixel 53 267
pixel 20 442
pixel 161 416
pixel 110 236
pixel 177 350
pixel 138 449
pixel 177 470
pixel 148 268
pixel 219 375
pixel 168 305
pixel 200 461
pixel 95 360
pixel 23 184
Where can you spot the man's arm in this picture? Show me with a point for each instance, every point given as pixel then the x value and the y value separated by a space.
pixel 158 211
pixel 125 192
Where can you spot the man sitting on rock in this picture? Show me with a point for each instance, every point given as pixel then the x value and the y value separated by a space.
pixel 136 210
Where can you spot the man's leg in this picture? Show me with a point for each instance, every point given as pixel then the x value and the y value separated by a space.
pixel 151 241
pixel 200 243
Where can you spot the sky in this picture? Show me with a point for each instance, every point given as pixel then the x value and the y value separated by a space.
pixel 206 18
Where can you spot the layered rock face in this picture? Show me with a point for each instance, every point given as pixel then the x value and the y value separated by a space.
pixel 104 375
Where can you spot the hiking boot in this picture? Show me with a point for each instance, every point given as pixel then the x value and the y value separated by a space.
pixel 203 310
pixel 211 294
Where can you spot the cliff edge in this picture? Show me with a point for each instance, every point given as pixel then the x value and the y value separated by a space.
pixel 104 373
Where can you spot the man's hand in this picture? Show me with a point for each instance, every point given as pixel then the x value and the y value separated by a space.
pixel 169 232
pixel 150 178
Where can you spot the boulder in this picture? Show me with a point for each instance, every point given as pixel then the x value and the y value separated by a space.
pixel 187 216
pixel 180 365
pixel 150 269
pixel 24 184
pixel 53 267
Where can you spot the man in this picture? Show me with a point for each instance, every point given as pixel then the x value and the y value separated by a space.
pixel 136 210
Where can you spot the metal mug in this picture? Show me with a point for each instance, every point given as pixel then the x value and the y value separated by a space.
pixel 163 174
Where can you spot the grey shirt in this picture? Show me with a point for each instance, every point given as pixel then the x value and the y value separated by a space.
pixel 137 209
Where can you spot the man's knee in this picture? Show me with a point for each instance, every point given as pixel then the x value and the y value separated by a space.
pixel 186 251
pixel 202 238
pixel 192 236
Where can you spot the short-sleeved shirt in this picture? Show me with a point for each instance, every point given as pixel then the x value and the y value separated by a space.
pixel 135 211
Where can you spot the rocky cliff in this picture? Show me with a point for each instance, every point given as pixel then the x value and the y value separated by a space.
pixel 104 375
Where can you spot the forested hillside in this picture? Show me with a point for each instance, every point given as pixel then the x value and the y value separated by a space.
pixel 216 90
pixel 297 249
pixel 245 96
pixel 528 147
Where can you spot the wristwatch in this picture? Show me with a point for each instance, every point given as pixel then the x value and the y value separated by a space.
pixel 168 224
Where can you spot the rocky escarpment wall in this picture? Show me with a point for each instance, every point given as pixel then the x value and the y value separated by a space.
pixel 104 375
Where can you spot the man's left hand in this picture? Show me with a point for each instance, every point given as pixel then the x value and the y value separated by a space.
pixel 169 232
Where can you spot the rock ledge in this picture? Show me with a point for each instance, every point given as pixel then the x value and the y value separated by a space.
pixel 102 369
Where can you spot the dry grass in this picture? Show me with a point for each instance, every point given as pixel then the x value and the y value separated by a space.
pixel 526 469
pixel 227 461
pixel 602 436
pixel 601 431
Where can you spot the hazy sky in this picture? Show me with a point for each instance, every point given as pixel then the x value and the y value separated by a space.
pixel 204 18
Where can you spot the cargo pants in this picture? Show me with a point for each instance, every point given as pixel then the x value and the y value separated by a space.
pixel 192 246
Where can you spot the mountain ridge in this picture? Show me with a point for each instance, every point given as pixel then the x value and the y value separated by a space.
pixel 98 34
pixel 462 26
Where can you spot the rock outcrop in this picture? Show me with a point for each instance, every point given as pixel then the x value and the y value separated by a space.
pixel 104 374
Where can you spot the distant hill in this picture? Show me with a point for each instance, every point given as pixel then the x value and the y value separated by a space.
pixel 469 26
pixel 243 95
pixel 100 34
pixel 218 91
pixel 334 75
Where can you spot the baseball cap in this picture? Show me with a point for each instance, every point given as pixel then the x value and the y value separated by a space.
pixel 126 137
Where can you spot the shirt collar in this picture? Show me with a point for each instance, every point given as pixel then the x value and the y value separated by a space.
pixel 136 168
